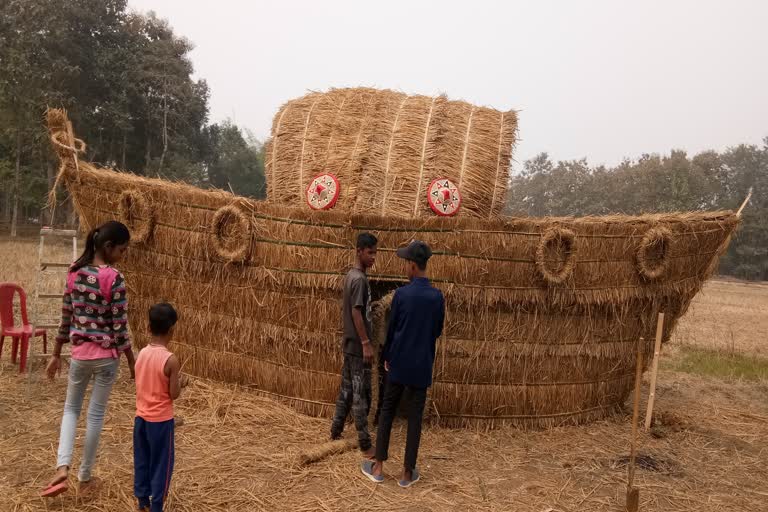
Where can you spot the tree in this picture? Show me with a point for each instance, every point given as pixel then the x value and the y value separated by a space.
pixel 233 162
pixel 27 72
pixel 125 79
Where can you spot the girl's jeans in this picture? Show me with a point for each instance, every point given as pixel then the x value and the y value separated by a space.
pixel 104 372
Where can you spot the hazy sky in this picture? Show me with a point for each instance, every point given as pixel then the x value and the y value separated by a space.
pixel 595 79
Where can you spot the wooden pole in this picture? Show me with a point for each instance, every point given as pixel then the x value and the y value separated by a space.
pixel 633 495
pixel 654 370
pixel 741 208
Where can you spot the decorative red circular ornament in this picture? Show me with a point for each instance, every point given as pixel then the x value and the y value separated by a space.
pixel 323 192
pixel 444 197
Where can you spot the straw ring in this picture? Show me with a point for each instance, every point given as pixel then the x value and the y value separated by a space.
pixel 564 239
pixel 230 233
pixel 135 212
pixel 659 241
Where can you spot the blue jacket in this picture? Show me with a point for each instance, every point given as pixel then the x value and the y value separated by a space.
pixel 415 322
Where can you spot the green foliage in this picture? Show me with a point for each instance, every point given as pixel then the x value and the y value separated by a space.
pixel 233 162
pixel 708 181
pixel 126 80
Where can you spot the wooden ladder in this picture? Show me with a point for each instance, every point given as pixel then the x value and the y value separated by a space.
pixel 48 267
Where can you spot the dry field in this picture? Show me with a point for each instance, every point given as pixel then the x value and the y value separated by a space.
pixel 238 451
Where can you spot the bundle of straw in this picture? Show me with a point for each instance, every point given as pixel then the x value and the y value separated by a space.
pixel 387 147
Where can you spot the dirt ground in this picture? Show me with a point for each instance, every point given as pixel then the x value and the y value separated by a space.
pixel 239 451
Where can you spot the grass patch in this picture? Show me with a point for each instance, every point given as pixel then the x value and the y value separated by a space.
pixel 720 364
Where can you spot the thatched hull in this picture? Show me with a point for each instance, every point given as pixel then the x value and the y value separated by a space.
pixel 517 348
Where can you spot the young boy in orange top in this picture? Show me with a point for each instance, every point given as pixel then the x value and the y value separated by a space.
pixel 158 384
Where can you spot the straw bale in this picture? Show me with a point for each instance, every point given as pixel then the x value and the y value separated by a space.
pixel 517 348
pixel 386 148
pixel 325 450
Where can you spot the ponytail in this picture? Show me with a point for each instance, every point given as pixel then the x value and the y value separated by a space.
pixel 112 231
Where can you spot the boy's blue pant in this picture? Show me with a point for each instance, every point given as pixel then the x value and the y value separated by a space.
pixel 152 461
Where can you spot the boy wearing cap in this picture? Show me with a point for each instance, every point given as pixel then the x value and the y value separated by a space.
pixel 355 392
pixel 416 321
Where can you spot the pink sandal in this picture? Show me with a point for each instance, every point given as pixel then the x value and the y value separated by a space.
pixel 55 490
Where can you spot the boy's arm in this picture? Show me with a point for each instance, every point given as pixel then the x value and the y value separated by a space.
pixel 391 326
pixel 172 370
pixel 357 297
pixel 440 318
pixel 357 318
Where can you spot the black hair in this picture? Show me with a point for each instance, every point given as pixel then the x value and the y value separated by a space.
pixel 421 265
pixel 366 241
pixel 112 232
pixel 162 317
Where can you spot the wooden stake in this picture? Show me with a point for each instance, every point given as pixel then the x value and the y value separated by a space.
pixel 633 495
pixel 654 370
pixel 741 208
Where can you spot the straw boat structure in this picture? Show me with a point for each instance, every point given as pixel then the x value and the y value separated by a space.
pixel 543 314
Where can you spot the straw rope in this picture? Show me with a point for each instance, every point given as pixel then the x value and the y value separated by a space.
pixel 529 416
pixel 333 129
pixel 654 267
pixel 437 381
pixel 272 164
pixel 303 146
pixel 565 239
pixel 389 157
pixel 350 196
pixel 384 228
pixel 498 165
pixel 231 233
pixel 134 210
pixel 466 147
pixel 400 278
pixel 416 201
pixel 62 128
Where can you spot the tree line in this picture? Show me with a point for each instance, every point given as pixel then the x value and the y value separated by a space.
pixel 710 180
pixel 127 82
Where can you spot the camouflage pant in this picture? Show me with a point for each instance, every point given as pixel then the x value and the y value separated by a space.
pixel 355 392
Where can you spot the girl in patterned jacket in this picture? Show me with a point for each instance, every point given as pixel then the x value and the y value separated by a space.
pixel 94 320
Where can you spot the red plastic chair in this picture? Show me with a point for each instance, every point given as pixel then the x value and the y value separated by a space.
pixel 23 333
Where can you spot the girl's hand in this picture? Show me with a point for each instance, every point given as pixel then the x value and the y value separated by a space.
pixel 386 366
pixel 54 367
pixel 131 362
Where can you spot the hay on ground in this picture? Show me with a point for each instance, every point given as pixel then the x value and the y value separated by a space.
pixel 239 452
